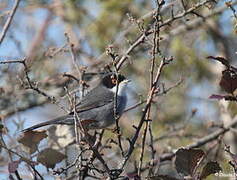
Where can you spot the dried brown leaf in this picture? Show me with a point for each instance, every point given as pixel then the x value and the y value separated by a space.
pixel 187 160
pixel 211 167
pixel 228 81
pixel 31 139
pixel 50 157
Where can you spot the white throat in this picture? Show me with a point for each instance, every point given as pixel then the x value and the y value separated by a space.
pixel 122 88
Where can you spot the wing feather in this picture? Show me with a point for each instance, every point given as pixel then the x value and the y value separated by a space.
pixel 94 99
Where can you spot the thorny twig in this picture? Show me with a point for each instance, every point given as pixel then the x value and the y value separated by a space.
pixel 230 5
pixel 202 141
pixel 22 158
pixel 73 55
pixel 32 85
pixel 62 170
pixel 139 40
pixel 80 159
pixel 159 93
pixel 155 50
pixel 10 154
pixel 97 145
pixel 72 101
pixel 114 56
pixel 163 63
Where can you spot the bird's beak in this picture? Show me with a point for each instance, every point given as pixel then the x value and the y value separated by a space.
pixel 127 81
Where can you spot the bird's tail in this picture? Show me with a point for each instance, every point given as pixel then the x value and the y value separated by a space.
pixel 60 120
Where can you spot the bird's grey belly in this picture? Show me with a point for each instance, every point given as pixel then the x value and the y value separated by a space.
pixel 103 115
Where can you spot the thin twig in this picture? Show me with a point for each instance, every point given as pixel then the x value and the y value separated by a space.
pixel 140 39
pixel 73 55
pixel 206 139
pixel 230 5
pixel 62 170
pixel 165 91
pixel 28 161
pixel 155 50
pixel 9 20
pixel 32 85
pixel 148 103
pixel 113 56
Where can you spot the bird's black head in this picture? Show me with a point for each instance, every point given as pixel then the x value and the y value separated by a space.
pixel 110 80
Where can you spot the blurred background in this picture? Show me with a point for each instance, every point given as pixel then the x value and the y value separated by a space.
pixel 54 35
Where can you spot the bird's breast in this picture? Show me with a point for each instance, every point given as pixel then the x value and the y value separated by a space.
pixel 121 104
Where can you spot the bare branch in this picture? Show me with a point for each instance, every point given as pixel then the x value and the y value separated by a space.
pixel 9 20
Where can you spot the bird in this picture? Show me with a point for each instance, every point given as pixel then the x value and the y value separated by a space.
pixel 98 109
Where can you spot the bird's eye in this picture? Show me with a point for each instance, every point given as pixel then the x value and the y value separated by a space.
pixel 114 80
